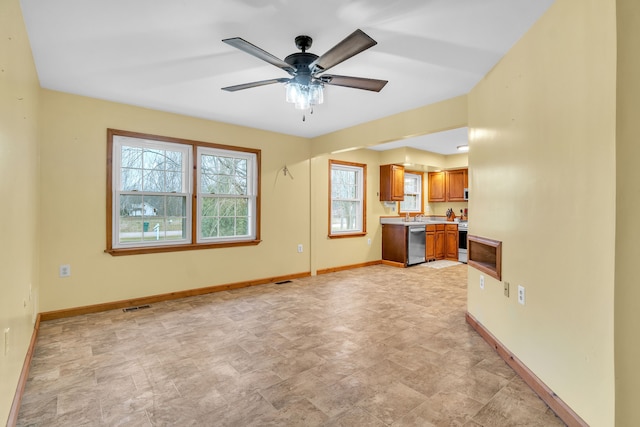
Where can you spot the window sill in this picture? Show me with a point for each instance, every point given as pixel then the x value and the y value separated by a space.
pixel 340 236
pixel 177 248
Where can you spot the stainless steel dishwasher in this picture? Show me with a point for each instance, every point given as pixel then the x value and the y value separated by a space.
pixel 416 244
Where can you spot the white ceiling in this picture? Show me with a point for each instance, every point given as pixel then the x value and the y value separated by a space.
pixel 446 142
pixel 168 55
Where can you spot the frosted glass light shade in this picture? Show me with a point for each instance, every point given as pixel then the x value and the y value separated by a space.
pixel 304 96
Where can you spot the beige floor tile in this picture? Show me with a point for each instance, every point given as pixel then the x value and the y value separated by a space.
pixel 370 346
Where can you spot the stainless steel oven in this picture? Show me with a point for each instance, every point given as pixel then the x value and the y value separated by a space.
pixel 462 241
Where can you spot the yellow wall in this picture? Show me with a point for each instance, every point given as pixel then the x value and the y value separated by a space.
pixel 73 199
pixel 19 188
pixel 542 134
pixel 627 295
pixel 326 252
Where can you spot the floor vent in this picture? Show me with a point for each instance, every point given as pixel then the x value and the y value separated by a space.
pixel 283 282
pixel 140 307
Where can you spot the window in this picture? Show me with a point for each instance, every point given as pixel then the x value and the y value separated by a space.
pixel 347 204
pixel 227 199
pixel 168 194
pixel 412 193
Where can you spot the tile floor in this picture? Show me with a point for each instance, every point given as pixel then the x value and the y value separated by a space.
pixel 374 346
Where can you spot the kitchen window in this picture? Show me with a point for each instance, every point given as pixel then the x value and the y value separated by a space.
pixel 412 193
pixel 168 194
pixel 347 201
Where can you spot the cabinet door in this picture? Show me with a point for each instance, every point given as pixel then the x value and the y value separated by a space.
pixel 391 183
pixel 431 243
pixel 439 244
pixel 451 242
pixel 456 182
pixel 437 187
pixel 394 243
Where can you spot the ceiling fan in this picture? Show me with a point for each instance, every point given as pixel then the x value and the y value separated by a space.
pixel 305 86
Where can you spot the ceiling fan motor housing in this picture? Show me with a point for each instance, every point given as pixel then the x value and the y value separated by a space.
pixel 301 61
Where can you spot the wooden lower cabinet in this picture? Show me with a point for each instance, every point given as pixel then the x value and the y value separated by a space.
pixel 451 242
pixel 442 242
pixel 394 243
pixel 431 243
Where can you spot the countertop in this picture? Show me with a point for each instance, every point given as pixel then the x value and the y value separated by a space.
pixel 426 220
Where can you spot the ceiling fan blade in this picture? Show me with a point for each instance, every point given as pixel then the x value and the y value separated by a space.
pixel 253 84
pixel 353 44
pixel 353 82
pixel 254 50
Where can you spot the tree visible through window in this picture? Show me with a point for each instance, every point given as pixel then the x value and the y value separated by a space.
pixel 153 191
pixel 347 198
pixel 226 201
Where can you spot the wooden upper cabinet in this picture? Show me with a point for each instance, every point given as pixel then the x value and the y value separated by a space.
pixel 448 186
pixel 456 181
pixel 391 183
pixel 437 187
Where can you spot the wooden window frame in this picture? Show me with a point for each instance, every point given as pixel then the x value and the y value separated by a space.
pixel 363 232
pixel 192 245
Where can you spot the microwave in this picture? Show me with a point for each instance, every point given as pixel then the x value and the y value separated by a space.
pixel 466 194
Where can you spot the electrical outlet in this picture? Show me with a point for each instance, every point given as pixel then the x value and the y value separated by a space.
pixel 506 289
pixel 300 248
pixel 481 281
pixel 65 270
pixel 521 294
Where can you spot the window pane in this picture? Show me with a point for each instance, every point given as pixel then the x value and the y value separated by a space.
pixel 242 227
pixel 130 206
pixel 131 157
pixel 411 185
pixel 154 159
pixel 173 182
pixel 227 227
pixel 210 207
pixel 154 205
pixel 131 179
pixel 410 203
pixel 153 181
pixel 152 218
pixel 223 175
pixel 176 228
pixel 174 161
pixel 344 184
pixel 176 206
pixel 224 217
pixel 242 207
pixel 345 216
pixel 209 227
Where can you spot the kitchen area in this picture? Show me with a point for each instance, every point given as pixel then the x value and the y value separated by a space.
pixel 415 235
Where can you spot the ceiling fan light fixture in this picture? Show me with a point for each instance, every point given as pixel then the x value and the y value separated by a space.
pixel 304 96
